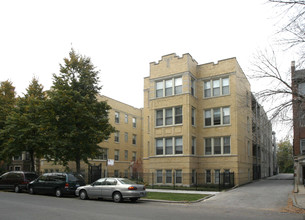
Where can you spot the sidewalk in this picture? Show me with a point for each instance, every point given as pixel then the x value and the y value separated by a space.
pixel 183 191
pixel 299 197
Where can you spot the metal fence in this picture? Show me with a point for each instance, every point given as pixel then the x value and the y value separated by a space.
pixel 189 181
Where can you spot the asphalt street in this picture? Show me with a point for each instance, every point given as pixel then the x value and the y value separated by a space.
pixel 259 200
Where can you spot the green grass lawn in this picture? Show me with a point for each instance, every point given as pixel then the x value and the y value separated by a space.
pixel 175 196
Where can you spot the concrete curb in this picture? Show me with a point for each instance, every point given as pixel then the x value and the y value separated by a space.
pixel 181 202
pixel 295 202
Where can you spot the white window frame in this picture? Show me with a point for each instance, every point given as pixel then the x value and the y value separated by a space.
pixel 223 113
pixel 174 146
pixel 213 146
pixel 162 86
pixel 159 176
pixel 117 117
pixel 210 86
pixel 178 177
pixel 117 136
pixel 116 155
pixel 161 117
pixel 134 139
pixel 134 122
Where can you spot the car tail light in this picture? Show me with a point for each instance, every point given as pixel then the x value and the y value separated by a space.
pixel 132 188
pixel 66 185
pixel 25 182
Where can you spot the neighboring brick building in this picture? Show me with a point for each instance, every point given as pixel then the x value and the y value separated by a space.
pixel 298 91
pixel 123 148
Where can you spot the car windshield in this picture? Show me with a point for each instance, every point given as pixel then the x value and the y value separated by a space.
pixel 126 181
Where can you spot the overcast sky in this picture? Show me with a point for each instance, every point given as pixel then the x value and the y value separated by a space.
pixel 123 36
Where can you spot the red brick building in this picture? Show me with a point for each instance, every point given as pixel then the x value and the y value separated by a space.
pixel 298 103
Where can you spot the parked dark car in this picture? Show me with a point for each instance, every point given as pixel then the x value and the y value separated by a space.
pixel 58 184
pixel 16 180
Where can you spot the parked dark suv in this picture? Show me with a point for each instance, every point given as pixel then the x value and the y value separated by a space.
pixel 16 180
pixel 57 184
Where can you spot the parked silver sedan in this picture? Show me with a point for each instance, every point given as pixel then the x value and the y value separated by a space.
pixel 117 189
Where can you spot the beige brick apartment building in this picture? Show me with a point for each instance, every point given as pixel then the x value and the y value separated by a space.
pixel 197 122
pixel 197 119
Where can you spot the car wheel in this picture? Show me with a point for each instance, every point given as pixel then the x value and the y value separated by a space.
pixel 31 190
pixel 133 199
pixel 83 195
pixel 17 189
pixel 117 197
pixel 58 192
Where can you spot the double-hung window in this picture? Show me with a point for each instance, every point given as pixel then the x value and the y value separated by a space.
pixel 193 145
pixel 217 116
pixel 226 115
pixel 208 146
pixel 168 87
pixel 159 146
pixel 117 117
pixel 178 178
pixel 216 87
pixel 178 85
pixel 225 86
pixel 134 122
pixel 217 145
pixel 134 139
pixel 134 156
pixel 193 116
pixel 159 176
pixel 103 154
pixel 178 115
pixel 178 145
pixel 168 176
pixel 193 88
pixel 169 116
pixel 159 117
pixel 117 136
pixel 169 146
pixel 207 89
pixel 116 154
pixel 159 89
pixel 227 145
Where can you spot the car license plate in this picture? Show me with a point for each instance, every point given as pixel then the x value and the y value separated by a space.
pixel 77 185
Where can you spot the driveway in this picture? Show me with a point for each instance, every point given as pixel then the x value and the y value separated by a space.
pixel 268 194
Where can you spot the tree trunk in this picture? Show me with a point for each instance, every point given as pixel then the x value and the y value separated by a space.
pixel 32 168
pixel 77 161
